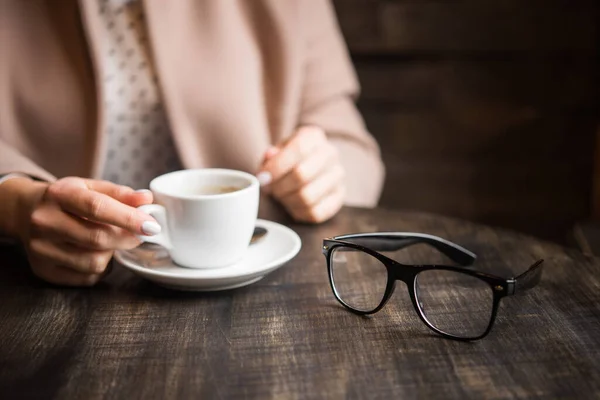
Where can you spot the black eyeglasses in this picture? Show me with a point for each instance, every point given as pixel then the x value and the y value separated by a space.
pixel 456 302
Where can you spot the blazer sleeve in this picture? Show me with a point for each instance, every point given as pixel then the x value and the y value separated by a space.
pixel 329 91
pixel 12 161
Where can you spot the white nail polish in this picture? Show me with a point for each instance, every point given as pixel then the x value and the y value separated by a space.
pixel 144 191
pixel 264 178
pixel 151 228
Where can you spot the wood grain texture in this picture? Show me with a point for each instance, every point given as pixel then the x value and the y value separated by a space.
pixel 286 337
pixel 542 85
pixel 531 174
pixel 585 235
pixel 383 26
pixel 484 110
pixel 596 178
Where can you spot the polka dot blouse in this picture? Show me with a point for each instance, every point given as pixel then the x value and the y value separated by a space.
pixel 139 143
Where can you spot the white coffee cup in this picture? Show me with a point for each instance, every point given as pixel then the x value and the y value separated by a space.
pixel 201 229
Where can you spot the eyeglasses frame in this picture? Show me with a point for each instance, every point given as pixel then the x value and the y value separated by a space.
pixel 501 287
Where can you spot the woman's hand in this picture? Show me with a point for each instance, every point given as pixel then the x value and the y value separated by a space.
pixel 305 175
pixel 74 225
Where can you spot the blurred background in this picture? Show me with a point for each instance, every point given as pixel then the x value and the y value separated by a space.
pixel 485 110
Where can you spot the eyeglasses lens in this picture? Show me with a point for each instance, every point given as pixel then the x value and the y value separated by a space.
pixel 455 303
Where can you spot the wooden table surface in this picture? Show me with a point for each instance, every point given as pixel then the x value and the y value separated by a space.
pixel 287 337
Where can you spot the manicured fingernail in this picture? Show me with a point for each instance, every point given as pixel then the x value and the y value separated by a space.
pixel 264 178
pixel 271 151
pixel 151 228
pixel 143 191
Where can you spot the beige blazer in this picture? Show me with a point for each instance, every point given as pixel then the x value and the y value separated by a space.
pixel 235 77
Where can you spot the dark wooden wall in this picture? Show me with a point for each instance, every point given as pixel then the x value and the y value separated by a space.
pixel 485 109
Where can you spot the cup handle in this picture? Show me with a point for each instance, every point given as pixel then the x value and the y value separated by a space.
pixel 159 213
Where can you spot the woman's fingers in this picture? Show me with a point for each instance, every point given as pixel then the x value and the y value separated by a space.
pixel 326 208
pixel 124 194
pixel 77 224
pixel 304 143
pixel 70 257
pixel 305 175
pixel 62 276
pixel 52 222
pixel 314 191
pixel 305 172
pixel 77 197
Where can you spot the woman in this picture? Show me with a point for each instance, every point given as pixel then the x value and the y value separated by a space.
pixel 99 96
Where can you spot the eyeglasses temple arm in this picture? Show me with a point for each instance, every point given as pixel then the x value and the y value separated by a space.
pixel 391 243
pixel 529 278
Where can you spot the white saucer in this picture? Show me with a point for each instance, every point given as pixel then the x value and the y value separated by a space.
pixel 153 262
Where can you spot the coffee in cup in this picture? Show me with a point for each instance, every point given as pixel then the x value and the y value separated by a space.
pixel 217 189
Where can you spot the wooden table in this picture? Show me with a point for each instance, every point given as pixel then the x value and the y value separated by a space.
pixel 287 337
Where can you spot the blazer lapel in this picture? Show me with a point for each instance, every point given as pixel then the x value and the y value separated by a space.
pixel 210 78
pixel 90 22
pixel 167 45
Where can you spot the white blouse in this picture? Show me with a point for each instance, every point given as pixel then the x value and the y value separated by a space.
pixel 139 143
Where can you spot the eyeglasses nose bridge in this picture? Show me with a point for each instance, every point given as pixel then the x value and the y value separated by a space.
pixel 400 272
